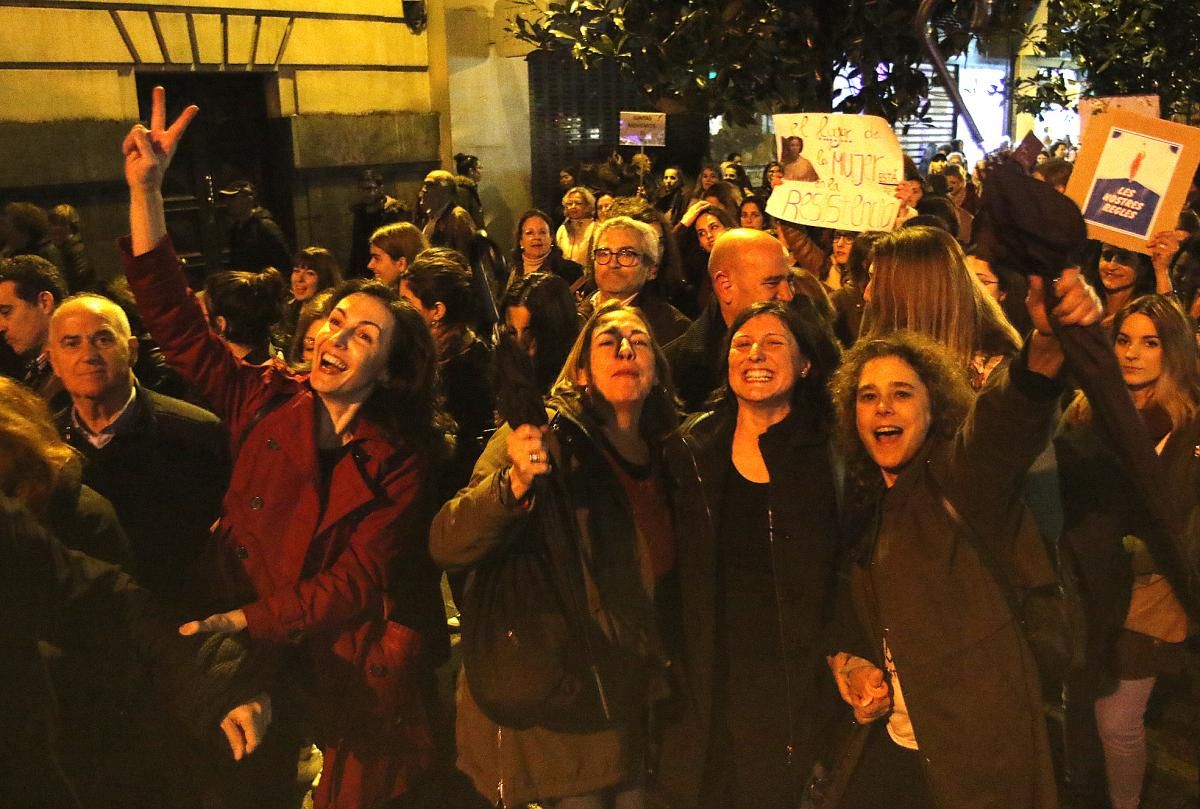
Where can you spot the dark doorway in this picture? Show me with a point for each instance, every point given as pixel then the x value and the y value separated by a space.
pixel 231 139
pixel 573 120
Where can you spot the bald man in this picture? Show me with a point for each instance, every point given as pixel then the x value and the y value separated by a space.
pixel 162 462
pixel 745 266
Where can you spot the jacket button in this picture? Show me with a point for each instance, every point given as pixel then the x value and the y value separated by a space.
pixel 242 552
pixel 377 670
pixel 272 443
pixel 256 503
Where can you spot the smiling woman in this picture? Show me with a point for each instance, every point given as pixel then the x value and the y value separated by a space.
pixel 537 251
pixel 318 546
pixel 927 636
pixel 611 408
pixel 756 528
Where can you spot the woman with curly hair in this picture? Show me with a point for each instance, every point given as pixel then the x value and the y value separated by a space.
pixel 575 235
pixel 930 641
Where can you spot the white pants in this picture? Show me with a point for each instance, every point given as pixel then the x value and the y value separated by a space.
pixel 1121 720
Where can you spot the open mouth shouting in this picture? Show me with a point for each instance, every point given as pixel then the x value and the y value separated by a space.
pixel 330 364
pixel 892 411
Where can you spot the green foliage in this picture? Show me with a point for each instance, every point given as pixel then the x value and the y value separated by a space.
pixel 1122 47
pixel 741 58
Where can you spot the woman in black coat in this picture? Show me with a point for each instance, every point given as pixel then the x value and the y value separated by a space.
pixel 755 509
pixel 44 588
pixel 438 284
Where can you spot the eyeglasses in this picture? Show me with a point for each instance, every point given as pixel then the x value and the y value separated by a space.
pixel 626 257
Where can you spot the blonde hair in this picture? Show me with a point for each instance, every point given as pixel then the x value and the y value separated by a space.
pixel 32 455
pixel 589 199
pixel 921 283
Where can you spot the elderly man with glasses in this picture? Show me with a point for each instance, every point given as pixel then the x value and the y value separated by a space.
pixel 625 257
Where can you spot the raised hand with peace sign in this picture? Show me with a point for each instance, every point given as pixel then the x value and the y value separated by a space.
pixel 148 153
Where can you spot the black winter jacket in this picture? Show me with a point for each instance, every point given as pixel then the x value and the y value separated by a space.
pixel 804 546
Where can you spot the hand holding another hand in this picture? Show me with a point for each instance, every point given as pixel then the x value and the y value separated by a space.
pixel 863 687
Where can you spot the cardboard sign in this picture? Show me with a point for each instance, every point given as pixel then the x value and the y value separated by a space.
pixel 1140 105
pixel 643 129
pixel 839 171
pixel 1132 176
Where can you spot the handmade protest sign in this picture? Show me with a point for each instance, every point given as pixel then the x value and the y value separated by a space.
pixel 1132 175
pixel 643 129
pixel 839 171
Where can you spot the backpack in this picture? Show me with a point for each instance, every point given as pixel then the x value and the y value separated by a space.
pixel 532 654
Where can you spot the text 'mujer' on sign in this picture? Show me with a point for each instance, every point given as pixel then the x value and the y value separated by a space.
pixel 839 171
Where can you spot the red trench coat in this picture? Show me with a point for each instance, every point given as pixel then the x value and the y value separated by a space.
pixel 327 579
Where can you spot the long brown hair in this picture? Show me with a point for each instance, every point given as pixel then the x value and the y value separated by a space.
pixel 921 283
pixel 32 455
pixel 1177 389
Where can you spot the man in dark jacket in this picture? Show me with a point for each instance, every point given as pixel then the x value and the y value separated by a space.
pixel 255 240
pixel 447 224
pixel 160 461
pixel 45 587
pixel 30 288
pixel 746 266
pixel 373 210
pixel 64 232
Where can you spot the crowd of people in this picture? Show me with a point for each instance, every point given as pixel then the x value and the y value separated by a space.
pixel 735 513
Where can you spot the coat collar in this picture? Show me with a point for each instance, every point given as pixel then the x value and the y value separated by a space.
pixel 352 484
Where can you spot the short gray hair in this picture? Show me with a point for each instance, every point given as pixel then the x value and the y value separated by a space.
pixel 651 249
pixel 109 306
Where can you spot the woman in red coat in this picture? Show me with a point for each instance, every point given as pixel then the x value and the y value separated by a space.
pixel 320 546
